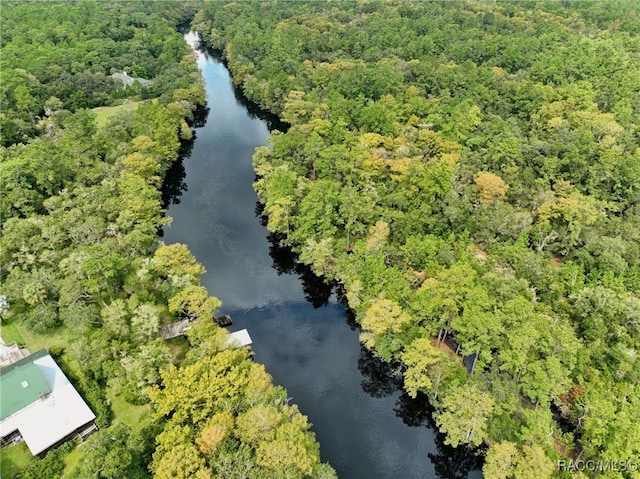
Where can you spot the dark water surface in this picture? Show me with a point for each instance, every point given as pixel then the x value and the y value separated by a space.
pixel 366 427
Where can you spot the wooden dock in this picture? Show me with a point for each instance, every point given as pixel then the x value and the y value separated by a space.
pixel 174 330
pixel 178 328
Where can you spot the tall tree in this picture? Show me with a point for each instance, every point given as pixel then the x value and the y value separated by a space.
pixel 464 416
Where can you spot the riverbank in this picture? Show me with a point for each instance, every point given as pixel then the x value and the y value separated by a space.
pixel 365 424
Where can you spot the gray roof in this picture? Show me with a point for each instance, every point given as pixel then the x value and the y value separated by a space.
pixel 129 80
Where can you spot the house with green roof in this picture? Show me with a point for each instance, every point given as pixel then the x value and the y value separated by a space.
pixel 21 386
pixel 39 405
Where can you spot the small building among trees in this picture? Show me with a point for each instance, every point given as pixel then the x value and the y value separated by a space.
pixel 129 80
pixel 38 404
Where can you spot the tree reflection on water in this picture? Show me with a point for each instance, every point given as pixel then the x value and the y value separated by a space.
pixel 379 378
pixel 384 379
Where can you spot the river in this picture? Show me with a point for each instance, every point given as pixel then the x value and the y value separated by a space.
pixel 366 426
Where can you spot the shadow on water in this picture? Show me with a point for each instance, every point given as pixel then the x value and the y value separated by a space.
pixel 383 379
pixel 272 121
pixel 450 462
pixel 454 463
pixel 316 289
pixel 350 315
pixel 199 117
pixel 174 184
pixel 380 378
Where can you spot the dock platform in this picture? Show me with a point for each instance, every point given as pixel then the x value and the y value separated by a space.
pixel 240 338
pixel 174 330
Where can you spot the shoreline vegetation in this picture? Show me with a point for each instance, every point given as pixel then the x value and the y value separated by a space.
pixel 469 172
pixel 85 272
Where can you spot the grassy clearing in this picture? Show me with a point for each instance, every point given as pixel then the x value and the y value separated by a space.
pixel 10 332
pixel 13 459
pixel 103 113
pixel 71 461
pixel 178 347
pixel 58 337
pixel 136 417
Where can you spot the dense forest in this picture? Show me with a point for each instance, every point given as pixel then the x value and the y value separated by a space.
pixel 85 272
pixel 469 174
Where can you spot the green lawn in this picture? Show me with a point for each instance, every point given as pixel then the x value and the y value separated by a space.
pixel 71 460
pixel 12 331
pixel 178 347
pixel 136 417
pixel 13 459
pixel 105 112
